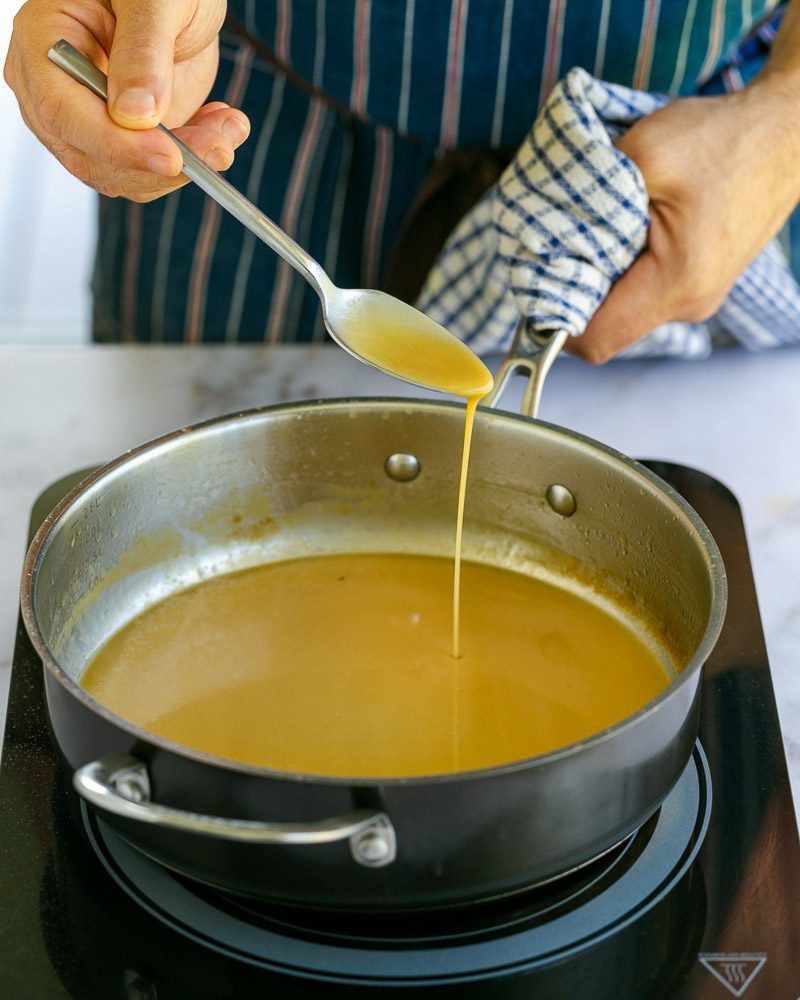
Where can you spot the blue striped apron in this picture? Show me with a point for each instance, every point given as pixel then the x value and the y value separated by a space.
pixel 403 82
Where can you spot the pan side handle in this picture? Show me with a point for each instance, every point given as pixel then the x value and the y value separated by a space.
pixel 532 353
pixel 120 784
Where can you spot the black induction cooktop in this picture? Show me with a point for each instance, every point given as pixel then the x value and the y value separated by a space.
pixel 701 903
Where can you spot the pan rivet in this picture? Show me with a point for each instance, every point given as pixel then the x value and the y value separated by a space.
pixel 561 500
pixel 402 467
pixel 129 788
pixel 374 847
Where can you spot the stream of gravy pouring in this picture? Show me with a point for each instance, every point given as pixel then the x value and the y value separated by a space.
pixel 427 354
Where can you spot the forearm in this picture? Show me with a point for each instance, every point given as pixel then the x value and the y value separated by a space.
pixel 769 113
pixel 784 60
pixel 723 175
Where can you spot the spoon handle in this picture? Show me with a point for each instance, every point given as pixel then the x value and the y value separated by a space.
pixel 73 62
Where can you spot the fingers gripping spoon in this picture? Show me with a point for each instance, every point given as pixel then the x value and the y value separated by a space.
pixel 372 326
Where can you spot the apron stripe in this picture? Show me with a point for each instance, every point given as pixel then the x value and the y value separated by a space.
pixel 769 31
pixel 360 84
pixel 300 291
pixel 283 31
pixel 683 48
pixel 198 284
pixel 319 46
pixel 714 50
pixel 644 59
pixel 502 76
pixel 733 79
pixel 253 187
pixel 209 226
pixel 108 269
pixel 338 208
pixel 250 18
pixel 130 270
pixel 291 208
pixel 378 198
pixel 405 79
pixel 161 273
pixel 552 53
pixel 455 67
pixel 602 40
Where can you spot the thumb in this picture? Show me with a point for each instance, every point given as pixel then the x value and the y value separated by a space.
pixel 634 306
pixel 141 62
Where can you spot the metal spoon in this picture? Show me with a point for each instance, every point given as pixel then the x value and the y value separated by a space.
pixel 372 326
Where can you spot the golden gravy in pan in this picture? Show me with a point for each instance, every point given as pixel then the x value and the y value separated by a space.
pixel 340 665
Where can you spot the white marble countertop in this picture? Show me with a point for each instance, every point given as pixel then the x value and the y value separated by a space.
pixel 736 416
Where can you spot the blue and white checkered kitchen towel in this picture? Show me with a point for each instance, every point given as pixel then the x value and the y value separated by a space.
pixel 568 216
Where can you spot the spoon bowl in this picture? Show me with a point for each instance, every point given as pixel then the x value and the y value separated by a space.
pixel 398 339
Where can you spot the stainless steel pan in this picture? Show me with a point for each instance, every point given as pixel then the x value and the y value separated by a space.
pixel 371 475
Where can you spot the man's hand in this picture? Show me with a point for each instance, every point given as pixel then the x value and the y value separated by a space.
pixel 161 59
pixel 722 175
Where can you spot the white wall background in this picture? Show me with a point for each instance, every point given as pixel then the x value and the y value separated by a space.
pixel 47 225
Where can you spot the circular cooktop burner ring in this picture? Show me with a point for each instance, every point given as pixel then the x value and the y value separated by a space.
pixel 486 917
pixel 506 946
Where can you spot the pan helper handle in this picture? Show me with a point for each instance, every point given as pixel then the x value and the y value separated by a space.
pixel 532 353
pixel 120 784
